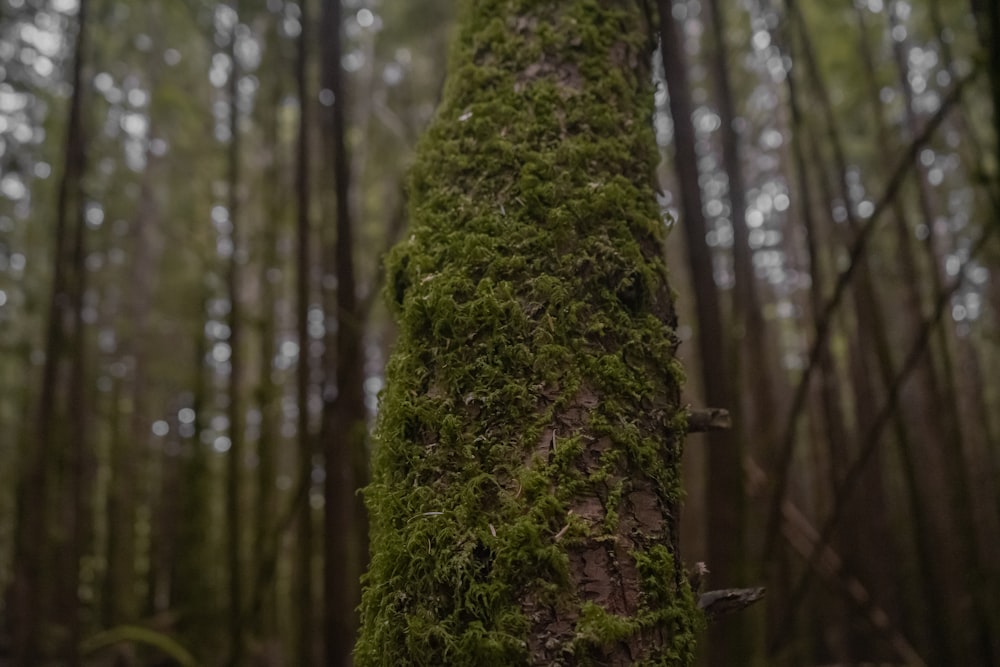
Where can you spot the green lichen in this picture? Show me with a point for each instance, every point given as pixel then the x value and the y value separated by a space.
pixel 535 362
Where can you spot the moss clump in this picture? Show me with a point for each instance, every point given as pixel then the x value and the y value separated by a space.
pixel 530 421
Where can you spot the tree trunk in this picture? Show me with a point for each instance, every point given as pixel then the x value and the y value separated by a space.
pixel 725 486
pixel 526 485
pixel 75 507
pixel 907 320
pixel 194 593
pixel 234 458
pixel 945 427
pixel 126 462
pixel 263 619
pixel 35 511
pixel 303 600
pixel 344 419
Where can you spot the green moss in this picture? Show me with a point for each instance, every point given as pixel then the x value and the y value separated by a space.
pixel 598 626
pixel 531 291
pixel 667 599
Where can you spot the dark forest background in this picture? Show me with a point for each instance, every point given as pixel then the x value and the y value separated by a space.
pixel 192 336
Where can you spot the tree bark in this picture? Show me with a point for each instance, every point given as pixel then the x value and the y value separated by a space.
pixel 526 485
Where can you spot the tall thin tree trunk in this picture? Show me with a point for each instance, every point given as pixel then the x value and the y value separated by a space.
pixel 344 420
pixel 725 490
pixel 867 514
pixel 32 555
pixel 268 391
pixel 76 511
pixel 165 521
pixel 121 606
pixel 866 308
pixel 963 537
pixel 908 319
pixel 866 537
pixel 834 431
pixel 982 468
pixel 972 392
pixel 234 532
pixel 303 594
pixel 750 330
pixel 987 15
pixel 195 594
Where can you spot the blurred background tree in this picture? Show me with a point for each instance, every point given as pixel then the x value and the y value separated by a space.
pixel 196 197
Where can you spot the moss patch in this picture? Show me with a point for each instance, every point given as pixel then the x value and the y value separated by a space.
pixel 530 422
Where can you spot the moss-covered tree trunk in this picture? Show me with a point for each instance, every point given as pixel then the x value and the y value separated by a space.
pixel 525 489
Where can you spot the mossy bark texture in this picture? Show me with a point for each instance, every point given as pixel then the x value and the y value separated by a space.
pixel 525 488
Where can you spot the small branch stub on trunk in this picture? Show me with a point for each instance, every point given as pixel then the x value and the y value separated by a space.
pixel 708 419
pixel 728 601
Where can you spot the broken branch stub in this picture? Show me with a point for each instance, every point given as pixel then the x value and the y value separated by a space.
pixel 708 419
pixel 728 601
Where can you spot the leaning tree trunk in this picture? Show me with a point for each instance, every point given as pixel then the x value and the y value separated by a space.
pixel 526 488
